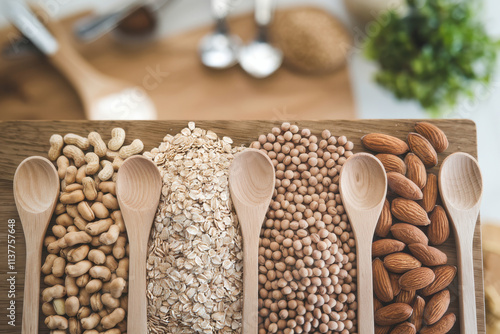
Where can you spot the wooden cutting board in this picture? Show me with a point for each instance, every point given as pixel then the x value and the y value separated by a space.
pixel 171 72
pixel 19 140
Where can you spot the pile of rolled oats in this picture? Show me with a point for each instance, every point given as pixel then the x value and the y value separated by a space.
pixel 195 252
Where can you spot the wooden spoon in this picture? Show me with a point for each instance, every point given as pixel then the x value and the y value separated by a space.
pixel 138 189
pixel 251 182
pixel 363 187
pixel 36 189
pixel 461 187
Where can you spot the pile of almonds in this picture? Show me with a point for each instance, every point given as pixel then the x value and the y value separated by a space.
pixel 86 270
pixel 307 255
pixel 411 276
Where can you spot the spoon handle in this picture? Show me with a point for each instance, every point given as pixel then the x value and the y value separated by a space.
pixel 137 300
pixel 365 284
pixel 263 12
pixel 467 288
pixel 250 285
pixel 31 290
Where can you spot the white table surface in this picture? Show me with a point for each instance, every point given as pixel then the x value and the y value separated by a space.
pixel 371 100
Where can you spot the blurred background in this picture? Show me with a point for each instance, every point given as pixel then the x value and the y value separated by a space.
pixel 342 59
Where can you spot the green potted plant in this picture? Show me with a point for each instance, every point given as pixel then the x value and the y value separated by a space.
pixel 436 53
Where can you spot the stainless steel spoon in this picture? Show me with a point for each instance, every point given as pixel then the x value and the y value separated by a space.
pixel 220 49
pixel 260 59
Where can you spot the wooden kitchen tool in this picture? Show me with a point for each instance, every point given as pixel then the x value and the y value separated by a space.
pixel 36 189
pixel 251 182
pixel 461 187
pixel 138 190
pixel 363 187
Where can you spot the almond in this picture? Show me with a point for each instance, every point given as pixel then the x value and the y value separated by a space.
pixel 403 186
pixel 382 143
pixel 429 256
pixel 409 234
pixel 430 193
pixel 382 329
pixel 381 283
pixel 437 307
pixel 422 149
pixel 396 289
pixel 442 326
pixel 444 277
pixel 377 304
pixel 416 279
pixel 383 247
pixel 418 313
pixel 393 314
pixel 433 134
pixel 404 328
pixel 401 262
pixel 415 170
pixel 392 163
pixel 384 221
pixel 439 229
pixel 409 212
pixel 406 296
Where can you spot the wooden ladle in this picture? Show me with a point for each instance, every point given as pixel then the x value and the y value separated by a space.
pixel 138 189
pixel 363 187
pixel 251 182
pixel 461 187
pixel 36 189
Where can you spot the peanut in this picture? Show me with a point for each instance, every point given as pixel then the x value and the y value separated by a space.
pixel 135 147
pixel 72 198
pixel 111 236
pixel 52 280
pixel 59 231
pixel 62 165
pixel 56 322
pixel 109 301
pixel 117 139
pixel 73 152
pixel 117 163
pixel 93 286
pixel 79 141
pixel 99 146
pixel 70 176
pixel 83 312
pixel 56 145
pixel 72 187
pixel 95 302
pixel 58 267
pixel 119 247
pixel 108 187
pixel 58 305
pixel 80 223
pixel 75 327
pixel 54 292
pixel 100 272
pixel 85 211
pixel 110 202
pixel 99 226
pixel 106 249
pixel 48 240
pixel 113 318
pixel 83 280
pixel 72 210
pixel 75 238
pixel 84 298
pixel 111 155
pixel 78 254
pixel 89 188
pixel 91 321
pixel 71 287
pixel 111 263
pixel 107 170
pixel 100 210
pixel 48 309
pixel 60 209
pixel 72 305
pixel 122 270
pixel 92 163
pixel 64 220
pixel 78 269
pixel 117 286
pixel 81 174
pixel 47 265
pixel 118 219
pixel 97 257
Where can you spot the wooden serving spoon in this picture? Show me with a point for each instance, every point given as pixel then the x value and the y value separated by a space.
pixel 36 189
pixel 138 189
pixel 363 187
pixel 251 182
pixel 461 187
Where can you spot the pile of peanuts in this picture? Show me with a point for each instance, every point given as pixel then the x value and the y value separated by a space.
pixel 307 258
pixel 86 270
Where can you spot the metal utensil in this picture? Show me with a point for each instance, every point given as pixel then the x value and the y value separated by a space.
pixel 91 28
pixel 103 97
pixel 220 49
pixel 259 58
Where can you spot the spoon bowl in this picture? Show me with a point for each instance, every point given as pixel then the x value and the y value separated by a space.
pixel 36 189
pixel 363 187
pixel 138 189
pixel 461 187
pixel 251 183
pixel 219 50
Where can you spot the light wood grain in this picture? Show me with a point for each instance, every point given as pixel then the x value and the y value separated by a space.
pixel 251 182
pixel 19 140
pixel 180 86
pixel 36 189
pixel 138 190
pixel 461 188
pixel 363 186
